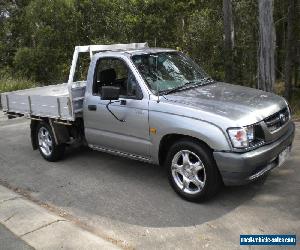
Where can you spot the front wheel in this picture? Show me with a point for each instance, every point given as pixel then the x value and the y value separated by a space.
pixel 46 143
pixel 192 171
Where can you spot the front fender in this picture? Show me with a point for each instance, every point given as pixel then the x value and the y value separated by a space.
pixel 166 124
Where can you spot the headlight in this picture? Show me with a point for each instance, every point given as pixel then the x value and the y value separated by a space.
pixel 241 137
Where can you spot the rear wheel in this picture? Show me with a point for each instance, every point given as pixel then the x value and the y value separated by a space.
pixel 46 143
pixel 192 171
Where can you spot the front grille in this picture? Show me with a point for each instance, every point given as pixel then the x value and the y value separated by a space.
pixel 278 119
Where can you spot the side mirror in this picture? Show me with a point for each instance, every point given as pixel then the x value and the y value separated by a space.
pixel 110 93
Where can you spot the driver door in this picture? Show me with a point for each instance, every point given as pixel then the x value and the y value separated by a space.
pixel 102 129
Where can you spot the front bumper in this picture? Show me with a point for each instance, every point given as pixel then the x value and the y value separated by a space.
pixel 241 168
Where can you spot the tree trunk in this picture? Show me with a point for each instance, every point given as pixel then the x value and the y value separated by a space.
pixel 290 49
pixel 266 62
pixel 228 39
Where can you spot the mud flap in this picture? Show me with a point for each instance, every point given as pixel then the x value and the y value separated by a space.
pixel 33 126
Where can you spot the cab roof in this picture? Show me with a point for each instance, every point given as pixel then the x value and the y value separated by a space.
pixel 143 51
pixel 148 51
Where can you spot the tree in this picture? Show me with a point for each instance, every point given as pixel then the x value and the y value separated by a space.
pixel 47 31
pixel 228 39
pixel 267 38
pixel 290 49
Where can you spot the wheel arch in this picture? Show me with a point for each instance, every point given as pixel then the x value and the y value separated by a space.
pixel 169 139
pixel 59 131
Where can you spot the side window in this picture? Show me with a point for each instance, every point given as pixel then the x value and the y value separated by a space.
pixel 115 72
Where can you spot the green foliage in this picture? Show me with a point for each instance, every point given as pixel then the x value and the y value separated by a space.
pixel 39 64
pixel 295 100
pixel 7 83
pixel 295 104
pixel 37 37
pixel 204 42
pixel 246 41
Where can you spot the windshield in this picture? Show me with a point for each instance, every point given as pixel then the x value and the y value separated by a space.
pixel 165 71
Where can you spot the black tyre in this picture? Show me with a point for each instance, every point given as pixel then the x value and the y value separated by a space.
pixel 46 143
pixel 192 171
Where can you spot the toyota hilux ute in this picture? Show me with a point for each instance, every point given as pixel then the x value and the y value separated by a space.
pixel 158 106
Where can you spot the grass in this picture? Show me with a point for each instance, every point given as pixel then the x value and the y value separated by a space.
pixel 295 100
pixel 295 104
pixel 8 84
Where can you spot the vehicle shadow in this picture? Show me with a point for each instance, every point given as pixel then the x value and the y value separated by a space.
pixel 139 194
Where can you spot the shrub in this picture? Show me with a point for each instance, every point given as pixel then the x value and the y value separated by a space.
pixel 7 84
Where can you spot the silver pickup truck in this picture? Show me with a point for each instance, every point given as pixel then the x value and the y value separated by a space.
pixel 157 105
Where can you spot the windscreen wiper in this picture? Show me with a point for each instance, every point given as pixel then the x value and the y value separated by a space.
pixel 181 87
pixel 188 85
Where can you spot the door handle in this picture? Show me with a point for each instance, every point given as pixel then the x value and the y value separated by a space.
pixel 92 107
pixel 123 102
